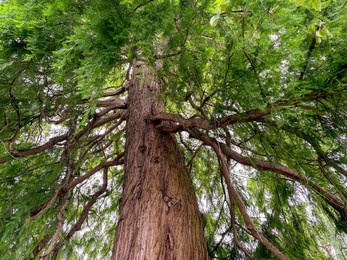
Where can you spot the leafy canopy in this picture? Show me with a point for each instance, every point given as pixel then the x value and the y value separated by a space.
pixel 265 80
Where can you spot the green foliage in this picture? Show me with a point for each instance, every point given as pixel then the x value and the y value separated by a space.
pixel 23 191
pixel 58 58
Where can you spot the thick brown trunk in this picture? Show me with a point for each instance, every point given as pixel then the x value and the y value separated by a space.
pixel 159 216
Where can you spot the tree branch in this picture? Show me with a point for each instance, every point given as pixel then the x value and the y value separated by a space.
pixel 55 238
pixel 293 175
pixel 116 93
pixel 234 196
pixel 315 145
pixel 115 103
pixel 40 246
pixel 97 121
pixel 103 165
pixel 84 214
pixel 24 153
pixel 249 116
pixel 63 189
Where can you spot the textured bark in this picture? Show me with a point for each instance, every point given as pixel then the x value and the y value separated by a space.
pixel 159 216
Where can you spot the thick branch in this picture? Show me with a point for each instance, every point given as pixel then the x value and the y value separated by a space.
pixel 248 116
pixel 327 196
pixel 115 102
pixel 63 189
pixel 40 246
pixel 312 141
pixel 103 165
pixel 117 92
pixel 55 238
pixel 24 153
pixel 102 121
pixel 234 196
pixel 97 121
pixel 84 214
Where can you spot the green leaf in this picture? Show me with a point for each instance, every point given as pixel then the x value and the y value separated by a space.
pixel 316 4
pixel 299 2
pixel 256 35
pixel 328 33
pixel 320 34
pixel 4 64
pixel 223 7
pixel 214 20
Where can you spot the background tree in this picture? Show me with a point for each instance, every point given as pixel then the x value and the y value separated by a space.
pixel 103 97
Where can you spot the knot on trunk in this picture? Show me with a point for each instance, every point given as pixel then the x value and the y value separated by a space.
pixel 142 148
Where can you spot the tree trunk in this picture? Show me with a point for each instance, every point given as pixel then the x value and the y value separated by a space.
pixel 159 216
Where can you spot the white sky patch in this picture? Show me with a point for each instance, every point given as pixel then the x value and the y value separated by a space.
pixel 275 38
pixel 284 65
pixel 323 58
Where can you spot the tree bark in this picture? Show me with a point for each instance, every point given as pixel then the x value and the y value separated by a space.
pixel 159 215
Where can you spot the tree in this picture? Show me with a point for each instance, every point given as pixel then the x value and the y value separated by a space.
pixel 173 129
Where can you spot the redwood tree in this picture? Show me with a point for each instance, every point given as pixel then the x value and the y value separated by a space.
pixel 173 129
